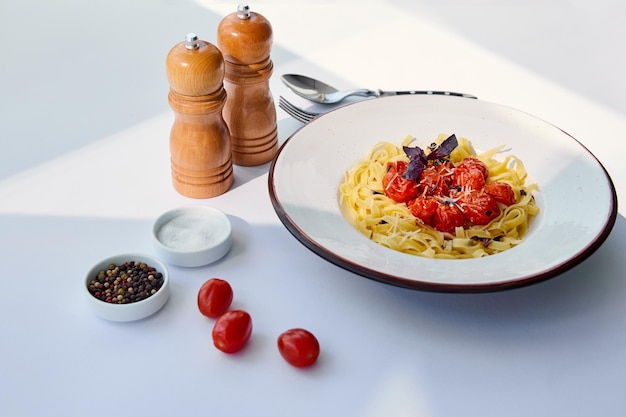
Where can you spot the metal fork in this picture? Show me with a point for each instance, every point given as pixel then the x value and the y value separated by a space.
pixel 297 113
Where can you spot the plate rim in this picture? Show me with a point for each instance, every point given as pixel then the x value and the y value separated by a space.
pixel 417 284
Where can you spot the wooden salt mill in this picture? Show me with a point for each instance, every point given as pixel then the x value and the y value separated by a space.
pixel 199 140
pixel 245 39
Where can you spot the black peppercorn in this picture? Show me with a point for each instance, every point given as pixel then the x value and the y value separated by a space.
pixel 126 283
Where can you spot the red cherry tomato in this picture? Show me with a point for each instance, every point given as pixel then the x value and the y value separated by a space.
pixel 447 217
pixel 471 174
pixel 446 170
pixel 435 181
pixel 299 347
pixel 423 207
pixel 214 297
pixel 395 186
pixel 501 191
pixel 478 207
pixel 232 331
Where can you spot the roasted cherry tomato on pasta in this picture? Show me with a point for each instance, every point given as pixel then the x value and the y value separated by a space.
pixel 448 217
pixel 446 196
pixel 299 347
pixel 446 170
pixel 214 297
pixel 478 207
pixel 471 174
pixel 395 186
pixel 501 192
pixel 232 331
pixel 423 207
pixel 435 181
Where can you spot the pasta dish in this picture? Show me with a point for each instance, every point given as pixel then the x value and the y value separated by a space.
pixel 446 201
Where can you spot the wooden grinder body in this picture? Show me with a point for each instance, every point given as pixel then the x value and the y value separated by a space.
pixel 200 151
pixel 245 39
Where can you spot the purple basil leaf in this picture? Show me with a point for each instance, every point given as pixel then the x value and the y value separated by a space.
pixel 418 159
pixel 415 152
pixel 445 149
pixel 417 162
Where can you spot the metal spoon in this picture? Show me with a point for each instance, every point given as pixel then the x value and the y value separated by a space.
pixel 319 92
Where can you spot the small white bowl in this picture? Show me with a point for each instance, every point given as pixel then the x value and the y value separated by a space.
pixel 192 236
pixel 129 311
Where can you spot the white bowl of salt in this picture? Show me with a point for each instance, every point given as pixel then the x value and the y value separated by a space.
pixel 192 236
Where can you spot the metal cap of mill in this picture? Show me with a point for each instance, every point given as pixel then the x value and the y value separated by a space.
pixel 243 11
pixel 191 41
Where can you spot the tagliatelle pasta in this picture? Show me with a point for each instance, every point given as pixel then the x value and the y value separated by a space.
pixel 392 224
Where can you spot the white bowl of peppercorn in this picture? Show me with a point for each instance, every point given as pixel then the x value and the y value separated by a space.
pixel 127 287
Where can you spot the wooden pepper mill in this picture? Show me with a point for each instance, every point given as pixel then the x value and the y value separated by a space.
pixel 245 39
pixel 200 151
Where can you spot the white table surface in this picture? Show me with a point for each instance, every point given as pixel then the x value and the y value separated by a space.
pixel 84 171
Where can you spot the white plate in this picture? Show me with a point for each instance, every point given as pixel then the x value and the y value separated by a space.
pixel 577 198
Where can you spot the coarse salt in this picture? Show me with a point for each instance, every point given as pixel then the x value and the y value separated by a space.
pixel 189 232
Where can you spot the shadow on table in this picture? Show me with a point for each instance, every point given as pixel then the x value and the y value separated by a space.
pixel 590 289
pixel 244 174
pixel 409 350
pixel 595 284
